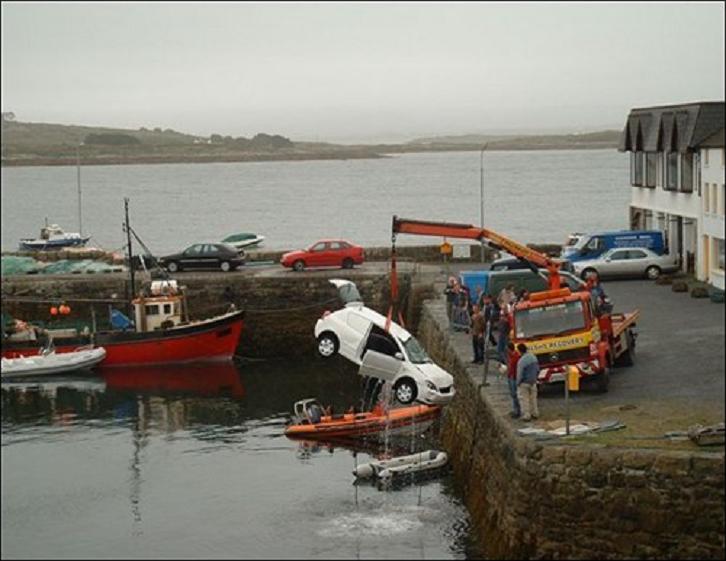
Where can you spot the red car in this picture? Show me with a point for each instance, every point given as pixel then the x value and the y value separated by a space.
pixel 325 253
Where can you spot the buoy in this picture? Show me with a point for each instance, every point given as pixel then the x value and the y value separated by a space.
pixel 53 311
pixel 64 310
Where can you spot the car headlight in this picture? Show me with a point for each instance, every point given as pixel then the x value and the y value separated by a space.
pixel 430 385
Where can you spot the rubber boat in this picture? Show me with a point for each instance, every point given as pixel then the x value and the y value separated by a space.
pixel 412 463
pixel 48 362
pixel 244 240
pixel 355 424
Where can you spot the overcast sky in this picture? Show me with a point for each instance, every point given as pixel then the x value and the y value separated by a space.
pixel 356 71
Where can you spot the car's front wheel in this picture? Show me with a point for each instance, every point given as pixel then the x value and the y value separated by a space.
pixel 225 266
pixel 298 265
pixel 652 272
pixel 327 344
pixel 405 391
pixel 173 267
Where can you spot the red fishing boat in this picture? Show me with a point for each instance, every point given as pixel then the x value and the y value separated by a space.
pixel 161 332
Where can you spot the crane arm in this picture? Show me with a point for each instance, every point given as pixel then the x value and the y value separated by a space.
pixel 467 231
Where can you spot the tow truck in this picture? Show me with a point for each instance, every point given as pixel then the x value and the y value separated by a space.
pixel 561 327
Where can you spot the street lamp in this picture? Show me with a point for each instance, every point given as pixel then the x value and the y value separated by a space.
pixel 481 195
pixel 78 178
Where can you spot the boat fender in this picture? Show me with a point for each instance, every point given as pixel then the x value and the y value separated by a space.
pixel 364 470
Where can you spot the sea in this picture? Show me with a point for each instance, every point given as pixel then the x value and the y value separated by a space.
pixel 191 462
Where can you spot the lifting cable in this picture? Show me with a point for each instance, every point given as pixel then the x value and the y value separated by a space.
pixel 394 289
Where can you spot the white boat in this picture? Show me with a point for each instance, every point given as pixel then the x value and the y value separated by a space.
pixel 48 363
pixel 53 237
pixel 386 469
pixel 244 240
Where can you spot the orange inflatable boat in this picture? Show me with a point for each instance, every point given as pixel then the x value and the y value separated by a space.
pixel 308 423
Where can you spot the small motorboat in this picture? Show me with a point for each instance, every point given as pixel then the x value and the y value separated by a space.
pixel 244 240
pixel 48 362
pixel 53 237
pixel 309 423
pixel 412 463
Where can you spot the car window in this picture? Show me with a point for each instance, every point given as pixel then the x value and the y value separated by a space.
pixel 210 249
pixel 344 245
pixel 193 250
pixel 636 254
pixel 318 246
pixel 381 342
pixel 334 246
pixel 619 255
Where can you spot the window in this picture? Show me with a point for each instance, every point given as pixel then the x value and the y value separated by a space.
pixel 194 250
pixel 549 320
pixel 687 173
pixel 671 182
pixel 705 157
pixel 152 310
pixel 723 200
pixel 651 165
pixel 706 197
pixel 619 255
pixel 415 351
pixel 167 309
pixel 638 168
pixel 636 254
pixel 335 246
pixel 318 247
pixel 719 254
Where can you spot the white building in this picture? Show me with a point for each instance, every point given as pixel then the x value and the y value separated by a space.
pixel 677 174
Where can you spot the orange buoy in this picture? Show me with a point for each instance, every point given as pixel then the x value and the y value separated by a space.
pixel 53 311
pixel 64 310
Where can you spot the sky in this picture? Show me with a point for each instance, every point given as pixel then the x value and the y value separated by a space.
pixel 357 72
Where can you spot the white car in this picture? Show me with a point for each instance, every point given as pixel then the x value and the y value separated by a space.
pixel 358 333
pixel 628 262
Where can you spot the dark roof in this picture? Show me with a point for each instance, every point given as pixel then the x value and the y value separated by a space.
pixel 672 127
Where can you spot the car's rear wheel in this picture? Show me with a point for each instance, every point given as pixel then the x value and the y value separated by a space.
pixel 298 265
pixel 347 263
pixel 652 272
pixel 173 267
pixel 327 344
pixel 405 391
pixel 225 266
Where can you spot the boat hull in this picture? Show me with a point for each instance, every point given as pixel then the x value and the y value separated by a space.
pixel 46 365
pixel 213 339
pixel 360 424
pixel 33 245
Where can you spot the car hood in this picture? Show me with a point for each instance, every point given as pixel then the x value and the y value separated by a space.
pixel 434 373
pixel 295 253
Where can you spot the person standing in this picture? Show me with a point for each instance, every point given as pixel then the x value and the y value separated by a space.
pixel 491 316
pixel 527 373
pixel 450 292
pixel 514 357
pixel 506 297
pixel 477 334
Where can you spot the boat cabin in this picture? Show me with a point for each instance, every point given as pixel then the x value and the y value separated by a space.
pixel 165 307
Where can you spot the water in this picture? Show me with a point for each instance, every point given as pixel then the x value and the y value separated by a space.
pixel 190 462
pixel 532 196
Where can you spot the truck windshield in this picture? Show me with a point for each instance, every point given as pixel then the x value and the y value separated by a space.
pixel 415 351
pixel 549 320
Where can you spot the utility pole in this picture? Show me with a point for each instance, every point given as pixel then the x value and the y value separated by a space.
pixel 130 253
pixel 78 179
pixel 481 195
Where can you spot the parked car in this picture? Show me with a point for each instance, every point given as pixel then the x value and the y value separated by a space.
pixel 325 253
pixel 204 256
pixel 492 282
pixel 628 262
pixel 514 264
pixel 358 334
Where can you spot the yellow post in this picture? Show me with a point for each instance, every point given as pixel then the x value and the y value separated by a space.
pixel 573 378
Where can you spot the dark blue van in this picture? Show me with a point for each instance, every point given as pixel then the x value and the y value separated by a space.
pixel 591 246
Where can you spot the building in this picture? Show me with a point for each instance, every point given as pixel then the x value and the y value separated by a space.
pixel 677 175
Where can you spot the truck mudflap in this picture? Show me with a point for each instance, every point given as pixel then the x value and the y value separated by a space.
pixel 550 374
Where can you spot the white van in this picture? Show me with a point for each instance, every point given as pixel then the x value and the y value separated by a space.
pixel 358 333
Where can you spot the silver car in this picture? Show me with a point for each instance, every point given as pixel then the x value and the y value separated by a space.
pixel 628 262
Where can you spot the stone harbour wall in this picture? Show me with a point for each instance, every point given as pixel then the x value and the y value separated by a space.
pixel 538 499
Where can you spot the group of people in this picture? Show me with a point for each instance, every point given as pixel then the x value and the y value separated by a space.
pixel 489 319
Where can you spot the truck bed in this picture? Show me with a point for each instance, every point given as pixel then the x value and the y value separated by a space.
pixel 622 321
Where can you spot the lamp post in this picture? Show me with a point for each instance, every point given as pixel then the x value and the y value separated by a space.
pixel 481 196
pixel 78 179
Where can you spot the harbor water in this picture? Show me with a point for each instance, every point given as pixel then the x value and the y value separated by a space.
pixel 191 462
pixel 532 196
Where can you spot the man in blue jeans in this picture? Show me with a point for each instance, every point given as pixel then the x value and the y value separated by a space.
pixel 512 380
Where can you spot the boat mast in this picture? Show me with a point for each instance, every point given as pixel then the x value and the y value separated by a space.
pixel 129 251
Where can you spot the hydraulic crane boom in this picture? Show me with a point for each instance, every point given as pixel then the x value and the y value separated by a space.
pixel 467 231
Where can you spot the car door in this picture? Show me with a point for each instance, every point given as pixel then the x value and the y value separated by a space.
pixel 317 255
pixel 615 263
pixel 192 256
pixel 334 255
pixel 637 263
pixel 382 358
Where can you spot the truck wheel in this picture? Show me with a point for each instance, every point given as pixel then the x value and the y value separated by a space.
pixel 628 357
pixel 602 381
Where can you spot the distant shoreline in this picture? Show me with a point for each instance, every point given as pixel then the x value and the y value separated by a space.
pixel 279 157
